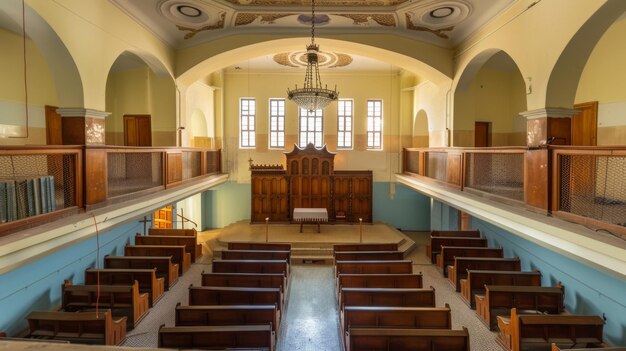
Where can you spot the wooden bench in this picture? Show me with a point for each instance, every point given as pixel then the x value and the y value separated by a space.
pixel 556 348
pixel 368 255
pixel 435 243
pixel 189 242
pixel 456 233
pixel 366 247
pixel 536 329
pixel 423 297
pixel 458 270
pixel 165 268
pixel 378 281
pixel 395 317
pixel 476 280
pixel 374 267
pixel 251 266
pixel 234 337
pixel 499 299
pixel 178 253
pixel 259 246
pixel 367 339
pixel 246 280
pixel 173 232
pixel 227 315
pixel 122 300
pixel 78 327
pixel 448 253
pixel 255 255
pixel 147 279
pixel 218 295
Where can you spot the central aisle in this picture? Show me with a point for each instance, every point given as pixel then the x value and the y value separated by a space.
pixel 312 319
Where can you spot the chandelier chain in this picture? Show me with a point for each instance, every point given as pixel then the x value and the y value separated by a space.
pixel 312 22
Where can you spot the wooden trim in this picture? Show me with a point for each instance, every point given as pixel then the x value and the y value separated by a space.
pixel 591 223
pixel 9 228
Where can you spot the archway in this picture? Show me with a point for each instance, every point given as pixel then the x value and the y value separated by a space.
pixel 146 95
pixel 199 132
pixel 420 130
pixel 489 96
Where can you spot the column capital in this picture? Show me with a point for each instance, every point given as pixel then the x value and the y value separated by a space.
pixel 81 112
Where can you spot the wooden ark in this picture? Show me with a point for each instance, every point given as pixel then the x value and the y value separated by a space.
pixel 310 181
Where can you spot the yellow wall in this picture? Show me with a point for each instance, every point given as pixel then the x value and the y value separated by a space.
pixel 41 91
pixel 359 86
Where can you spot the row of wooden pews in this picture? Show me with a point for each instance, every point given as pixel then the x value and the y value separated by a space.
pixel 117 297
pixel 383 305
pixel 239 304
pixel 524 312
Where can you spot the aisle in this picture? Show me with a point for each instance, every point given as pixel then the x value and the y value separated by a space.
pixel 312 318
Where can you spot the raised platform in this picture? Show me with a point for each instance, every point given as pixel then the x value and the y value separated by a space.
pixel 310 246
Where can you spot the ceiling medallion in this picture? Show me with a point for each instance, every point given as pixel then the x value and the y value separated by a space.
pixel 325 59
pixel 194 31
pixel 442 12
pixel 189 11
pixel 344 3
pixel 438 32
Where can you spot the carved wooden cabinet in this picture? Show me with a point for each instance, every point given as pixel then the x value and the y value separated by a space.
pixel 310 181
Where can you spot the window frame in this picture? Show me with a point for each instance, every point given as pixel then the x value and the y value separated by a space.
pixel 278 130
pixel 241 129
pixel 308 116
pixel 373 132
pixel 341 114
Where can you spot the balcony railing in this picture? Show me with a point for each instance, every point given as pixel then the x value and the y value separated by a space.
pixel 39 184
pixel 582 184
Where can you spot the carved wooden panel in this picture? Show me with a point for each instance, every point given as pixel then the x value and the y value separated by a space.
pixel 270 197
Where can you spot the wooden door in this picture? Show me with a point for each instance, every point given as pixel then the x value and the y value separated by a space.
pixel 137 130
pixel 54 129
pixel 481 134
pixel 585 124
pixel 163 218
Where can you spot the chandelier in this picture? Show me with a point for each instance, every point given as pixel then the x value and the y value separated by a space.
pixel 312 96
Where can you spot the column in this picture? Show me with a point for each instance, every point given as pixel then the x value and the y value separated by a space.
pixel 82 126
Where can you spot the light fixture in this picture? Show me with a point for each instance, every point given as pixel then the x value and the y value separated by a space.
pixel 312 96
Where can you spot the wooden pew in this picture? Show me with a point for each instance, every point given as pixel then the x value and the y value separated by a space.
pixel 456 233
pixel 423 297
pixel 187 316
pixel 458 271
pixel 255 255
pixel 122 300
pixel 147 279
pixel 78 327
pixel 537 329
pixel 448 253
pixel 217 295
pixel 367 339
pixel 189 242
pixel 165 268
pixel 173 232
pixel 435 243
pixel 374 267
pixel 233 337
pixel 556 348
pixel 368 255
pixel 477 279
pixel 259 246
pixel 366 247
pixel 499 299
pixel 246 280
pixel 179 254
pixel 379 280
pixel 251 266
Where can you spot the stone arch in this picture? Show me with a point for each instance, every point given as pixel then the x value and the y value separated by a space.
pixel 420 129
pixel 490 89
pixel 565 76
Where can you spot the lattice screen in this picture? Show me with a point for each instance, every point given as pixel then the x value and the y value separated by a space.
pixel 500 174
pixel 131 172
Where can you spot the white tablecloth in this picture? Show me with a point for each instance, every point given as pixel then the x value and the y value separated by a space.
pixel 310 215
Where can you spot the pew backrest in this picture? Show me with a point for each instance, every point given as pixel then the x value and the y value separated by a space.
pixel 366 247
pixel 189 242
pixel 396 317
pixel 456 233
pixel 217 337
pixel 146 278
pixel 164 266
pixel 380 280
pixel 374 267
pixel 422 297
pixel 448 253
pixel 462 264
pixel 251 266
pixel 435 243
pixel 86 327
pixel 178 253
pixel 249 280
pixel 255 255
pixel 173 232
pixel 368 255
pixel 362 339
pixel 226 315
pixel 213 295
pixel 477 279
pixel 259 246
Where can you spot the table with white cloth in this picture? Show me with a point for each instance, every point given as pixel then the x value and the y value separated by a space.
pixel 310 215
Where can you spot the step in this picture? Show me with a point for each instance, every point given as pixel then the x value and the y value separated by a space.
pixel 313 259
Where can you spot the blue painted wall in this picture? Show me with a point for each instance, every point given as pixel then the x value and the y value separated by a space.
pixel 587 290
pixel 407 210
pixel 443 217
pixel 37 286
pixel 225 204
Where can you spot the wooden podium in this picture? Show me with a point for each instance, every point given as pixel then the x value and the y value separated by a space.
pixel 310 181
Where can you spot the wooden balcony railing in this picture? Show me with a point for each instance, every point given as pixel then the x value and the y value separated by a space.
pixel 41 183
pixel 581 184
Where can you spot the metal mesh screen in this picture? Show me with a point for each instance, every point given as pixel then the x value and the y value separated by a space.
pixel 412 161
pixel 594 186
pixel 437 165
pixel 192 164
pixel 31 185
pixel 132 172
pixel 212 161
pixel 500 174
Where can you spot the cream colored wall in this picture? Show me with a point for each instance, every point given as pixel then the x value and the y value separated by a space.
pixel 41 91
pixel 604 80
pixel 199 97
pixel 358 86
pixel 432 99
pixel 495 96
pixel 162 95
